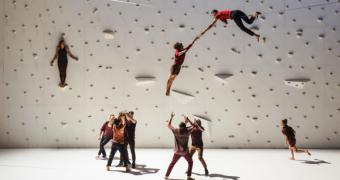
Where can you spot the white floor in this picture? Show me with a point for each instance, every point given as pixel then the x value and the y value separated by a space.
pixel 64 164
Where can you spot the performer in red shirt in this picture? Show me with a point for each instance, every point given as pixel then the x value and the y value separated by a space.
pixel 237 16
pixel 180 53
pixel 105 136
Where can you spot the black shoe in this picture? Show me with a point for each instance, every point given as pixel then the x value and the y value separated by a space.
pixel 120 164
pixel 206 172
pixel 133 165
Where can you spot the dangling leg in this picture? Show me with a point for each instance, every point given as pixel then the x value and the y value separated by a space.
pixel 62 73
pixel 172 164
pixel 169 84
pixel 175 69
pixel 237 17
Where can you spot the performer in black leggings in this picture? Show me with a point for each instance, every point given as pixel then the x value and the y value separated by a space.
pixel 130 130
pixel 237 16
pixel 61 53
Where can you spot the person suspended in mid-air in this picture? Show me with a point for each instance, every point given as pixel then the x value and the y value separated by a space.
pixel 180 52
pixel 238 16
pixel 61 53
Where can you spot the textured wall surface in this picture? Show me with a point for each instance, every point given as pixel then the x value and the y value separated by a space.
pixel 240 88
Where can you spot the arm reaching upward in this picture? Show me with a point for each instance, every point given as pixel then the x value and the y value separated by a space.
pixel 170 121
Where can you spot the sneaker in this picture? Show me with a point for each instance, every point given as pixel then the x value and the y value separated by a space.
pixel 119 165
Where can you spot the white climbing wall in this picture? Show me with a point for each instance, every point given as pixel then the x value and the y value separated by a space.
pixel 239 88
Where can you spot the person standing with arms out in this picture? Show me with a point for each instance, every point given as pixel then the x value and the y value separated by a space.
pixel 130 131
pixel 237 16
pixel 196 130
pixel 105 136
pixel 180 53
pixel 289 133
pixel 118 141
pixel 181 135
pixel 61 53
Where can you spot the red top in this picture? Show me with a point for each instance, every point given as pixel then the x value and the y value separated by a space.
pixel 223 15
pixel 179 59
pixel 119 134
pixel 107 131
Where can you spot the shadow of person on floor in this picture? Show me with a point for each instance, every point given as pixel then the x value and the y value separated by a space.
pixel 315 161
pixel 214 175
pixel 141 170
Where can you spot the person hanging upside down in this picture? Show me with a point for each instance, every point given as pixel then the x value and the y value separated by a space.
pixel 290 139
pixel 180 53
pixel 196 130
pixel 181 147
pixel 105 136
pixel 237 16
pixel 61 53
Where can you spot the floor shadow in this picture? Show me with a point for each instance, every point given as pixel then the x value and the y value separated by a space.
pixel 315 161
pixel 141 169
pixel 215 175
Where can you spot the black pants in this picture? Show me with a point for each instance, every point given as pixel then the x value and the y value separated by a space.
pixel 238 16
pixel 62 71
pixel 121 149
pixel 102 143
pixel 131 143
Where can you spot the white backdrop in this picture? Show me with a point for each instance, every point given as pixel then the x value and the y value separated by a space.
pixel 244 109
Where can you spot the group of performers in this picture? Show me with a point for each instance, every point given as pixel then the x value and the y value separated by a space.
pixel 121 130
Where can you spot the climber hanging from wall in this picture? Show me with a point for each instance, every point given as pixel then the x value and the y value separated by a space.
pixel 180 53
pixel 61 53
pixel 237 16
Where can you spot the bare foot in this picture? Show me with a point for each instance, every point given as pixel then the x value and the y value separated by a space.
pixel 292 158
pixel 97 157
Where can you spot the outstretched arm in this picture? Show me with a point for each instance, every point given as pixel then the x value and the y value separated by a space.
pixel 70 53
pixel 209 27
pixel 55 56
